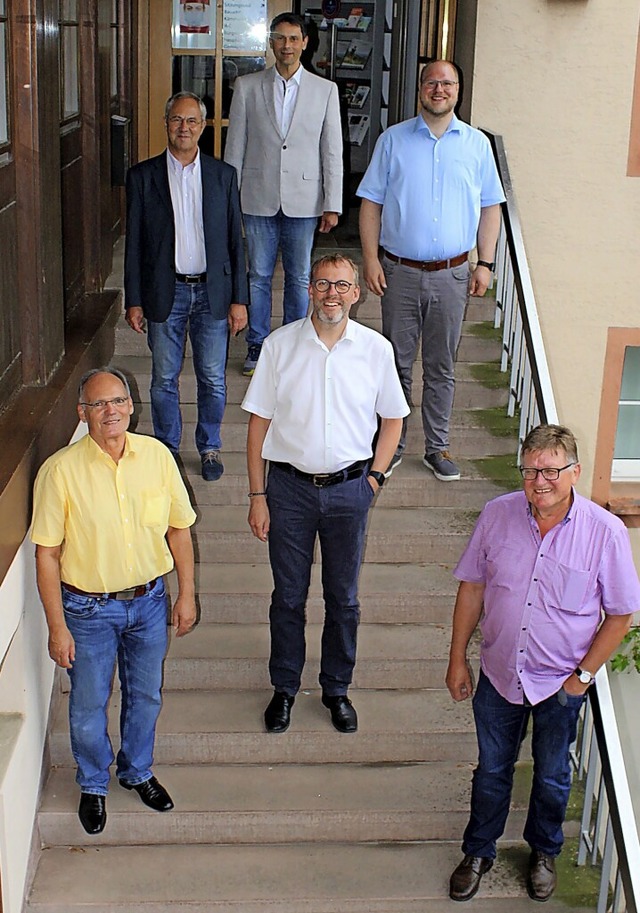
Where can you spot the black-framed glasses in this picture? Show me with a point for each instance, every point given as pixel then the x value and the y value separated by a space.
pixel 550 473
pixel 118 401
pixel 323 285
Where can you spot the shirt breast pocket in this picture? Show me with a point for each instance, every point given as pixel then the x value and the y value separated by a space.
pixel 155 510
pixel 567 588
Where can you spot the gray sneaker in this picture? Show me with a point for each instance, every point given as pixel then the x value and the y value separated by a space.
pixel 397 459
pixel 442 466
pixel 251 360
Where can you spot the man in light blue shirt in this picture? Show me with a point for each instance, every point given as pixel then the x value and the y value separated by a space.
pixel 431 193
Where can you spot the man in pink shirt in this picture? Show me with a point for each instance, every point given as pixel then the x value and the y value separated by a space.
pixel 550 577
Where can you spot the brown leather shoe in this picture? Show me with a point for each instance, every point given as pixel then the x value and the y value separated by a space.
pixel 465 880
pixel 542 879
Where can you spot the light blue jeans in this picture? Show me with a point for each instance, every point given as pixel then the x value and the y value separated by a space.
pixel 209 343
pixel 133 632
pixel 294 237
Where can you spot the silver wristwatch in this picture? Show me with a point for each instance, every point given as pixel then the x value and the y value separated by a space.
pixel 585 677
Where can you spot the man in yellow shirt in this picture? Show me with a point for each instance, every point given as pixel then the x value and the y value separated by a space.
pixel 111 517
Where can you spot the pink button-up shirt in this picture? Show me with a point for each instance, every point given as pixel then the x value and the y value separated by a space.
pixel 544 598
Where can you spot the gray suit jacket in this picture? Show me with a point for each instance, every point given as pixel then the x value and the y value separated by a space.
pixel 300 173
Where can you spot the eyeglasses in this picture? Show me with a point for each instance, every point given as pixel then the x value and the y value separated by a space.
pixel 446 84
pixel 118 401
pixel 551 473
pixel 323 285
pixel 191 122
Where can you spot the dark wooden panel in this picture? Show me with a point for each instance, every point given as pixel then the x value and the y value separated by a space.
pixel 10 346
pixel 74 225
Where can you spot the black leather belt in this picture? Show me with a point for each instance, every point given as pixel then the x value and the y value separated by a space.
pixel 324 479
pixel 191 278
pixel 132 593
pixel 429 266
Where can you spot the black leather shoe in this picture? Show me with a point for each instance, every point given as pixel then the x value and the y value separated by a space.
pixel 542 879
pixel 152 794
pixel 343 713
pixel 466 878
pixel 277 716
pixel 92 812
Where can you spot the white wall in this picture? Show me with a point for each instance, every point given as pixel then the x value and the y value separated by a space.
pixel 555 78
pixel 26 678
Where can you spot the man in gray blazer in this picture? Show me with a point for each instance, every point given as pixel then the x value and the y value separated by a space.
pixel 285 142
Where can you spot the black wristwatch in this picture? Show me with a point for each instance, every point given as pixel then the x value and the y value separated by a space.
pixel 378 476
pixel 585 677
pixel 486 263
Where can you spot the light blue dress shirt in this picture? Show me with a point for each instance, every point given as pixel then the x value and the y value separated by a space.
pixel 431 190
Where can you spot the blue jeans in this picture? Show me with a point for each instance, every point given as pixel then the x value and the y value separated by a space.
pixel 294 237
pixel 209 343
pixel 501 728
pixel 134 632
pixel 338 516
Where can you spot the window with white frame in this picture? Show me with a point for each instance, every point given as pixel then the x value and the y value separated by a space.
pixel 626 455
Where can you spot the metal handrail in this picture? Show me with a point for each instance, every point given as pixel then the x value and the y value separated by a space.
pixel 608 833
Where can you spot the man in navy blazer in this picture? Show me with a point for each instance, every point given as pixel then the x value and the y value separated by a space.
pixel 285 142
pixel 185 271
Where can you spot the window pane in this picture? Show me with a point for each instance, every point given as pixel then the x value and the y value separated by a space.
pixel 69 10
pixel 630 388
pixel 3 8
pixel 114 61
pixel 628 433
pixel 4 115
pixel 70 75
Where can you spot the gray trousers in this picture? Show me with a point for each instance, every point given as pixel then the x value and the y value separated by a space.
pixel 432 304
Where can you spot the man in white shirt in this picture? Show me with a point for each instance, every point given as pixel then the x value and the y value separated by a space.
pixel 185 269
pixel 285 142
pixel 322 386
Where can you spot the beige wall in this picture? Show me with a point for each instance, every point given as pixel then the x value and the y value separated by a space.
pixel 555 78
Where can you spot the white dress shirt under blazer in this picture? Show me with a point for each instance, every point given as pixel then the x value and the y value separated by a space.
pixel 185 185
pixel 324 403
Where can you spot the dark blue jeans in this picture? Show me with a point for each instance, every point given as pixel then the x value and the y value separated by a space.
pixel 501 728
pixel 209 341
pixel 338 516
pixel 133 631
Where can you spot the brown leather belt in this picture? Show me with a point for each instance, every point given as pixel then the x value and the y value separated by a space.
pixel 428 266
pixel 132 593
pixel 191 278
pixel 324 479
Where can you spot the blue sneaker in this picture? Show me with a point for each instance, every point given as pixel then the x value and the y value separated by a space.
pixel 212 467
pixel 442 466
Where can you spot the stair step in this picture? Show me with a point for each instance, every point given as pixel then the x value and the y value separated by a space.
pixel 370 878
pixel 217 727
pixel 265 803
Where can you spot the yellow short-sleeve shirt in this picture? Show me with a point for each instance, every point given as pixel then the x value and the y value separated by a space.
pixel 110 518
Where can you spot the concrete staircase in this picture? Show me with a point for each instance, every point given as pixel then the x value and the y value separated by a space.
pixel 310 821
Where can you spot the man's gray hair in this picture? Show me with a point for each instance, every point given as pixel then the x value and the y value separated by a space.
pixel 551 437
pixel 178 96
pixel 335 260
pixel 105 370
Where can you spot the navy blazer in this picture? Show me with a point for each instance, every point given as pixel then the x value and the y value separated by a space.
pixel 149 258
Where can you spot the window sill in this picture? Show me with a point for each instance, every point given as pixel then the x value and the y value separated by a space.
pixel 624 502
